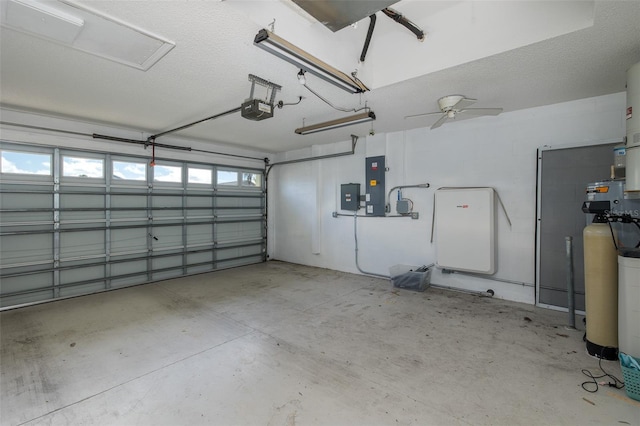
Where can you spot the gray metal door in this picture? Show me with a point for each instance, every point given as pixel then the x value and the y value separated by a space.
pixel 562 178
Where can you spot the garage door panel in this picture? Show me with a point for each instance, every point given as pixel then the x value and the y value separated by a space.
pixel 78 244
pixel 129 207
pixel 129 217
pixel 18 249
pixel 14 284
pixel 74 201
pixel 128 281
pixel 237 212
pixel 82 289
pixel 118 226
pixel 199 234
pixel 167 267
pixel 238 231
pixel 199 269
pixel 128 240
pixel 167 201
pixel 167 237
pixel 202 257
pixel 77 275
pixel 32 297
pixel 35 220
pixel 238 252
pixel 27 200
pixel 232 263
pixel 28 208
pixel 199 202
pixel 82 217
pixel 242 200
pixel 128 268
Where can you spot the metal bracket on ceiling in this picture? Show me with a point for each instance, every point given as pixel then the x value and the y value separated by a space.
pixel 272 88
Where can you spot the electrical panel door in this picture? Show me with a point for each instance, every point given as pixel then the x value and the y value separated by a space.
pixel 350 196
pixel 375 195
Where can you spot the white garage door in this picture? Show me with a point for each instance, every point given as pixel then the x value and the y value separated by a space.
pixel 77 222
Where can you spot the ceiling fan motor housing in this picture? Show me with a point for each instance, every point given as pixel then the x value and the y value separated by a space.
pixel 446 103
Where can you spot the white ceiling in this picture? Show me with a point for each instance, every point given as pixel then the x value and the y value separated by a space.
pixel 471 48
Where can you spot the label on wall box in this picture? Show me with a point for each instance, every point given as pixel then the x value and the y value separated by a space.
pixel 264 107
pixel 629 112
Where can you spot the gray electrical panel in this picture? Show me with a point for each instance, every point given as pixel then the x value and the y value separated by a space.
pixel 350 196
pixel 375 195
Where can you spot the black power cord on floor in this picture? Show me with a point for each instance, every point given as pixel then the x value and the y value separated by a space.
pixel 617 383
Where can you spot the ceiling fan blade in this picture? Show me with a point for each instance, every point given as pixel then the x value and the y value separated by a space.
pixel 463 103
pixel 423 114
pixel 440 122
pixel 482 111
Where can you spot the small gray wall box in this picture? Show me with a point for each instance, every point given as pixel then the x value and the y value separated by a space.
pixel 350 196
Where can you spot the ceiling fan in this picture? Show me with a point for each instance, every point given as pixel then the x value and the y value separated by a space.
pixel 452 105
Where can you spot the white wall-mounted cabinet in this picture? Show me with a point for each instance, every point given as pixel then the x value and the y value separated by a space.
pixel 465 229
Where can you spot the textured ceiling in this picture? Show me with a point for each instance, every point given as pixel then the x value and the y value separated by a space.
pixel 206 73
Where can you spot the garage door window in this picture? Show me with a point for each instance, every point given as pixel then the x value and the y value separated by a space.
pixel 252 180
pixel 227 178
pixel 82 167
pixel 163 173
pixel 128 170
pixel 27 163
pixel 199 176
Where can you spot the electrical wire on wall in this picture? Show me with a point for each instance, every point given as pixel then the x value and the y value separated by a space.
pixel 408 201
pixel 282 104
pixel 355 237
pixel 303 81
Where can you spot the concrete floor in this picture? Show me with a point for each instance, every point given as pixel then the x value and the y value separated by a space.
pixel 281 344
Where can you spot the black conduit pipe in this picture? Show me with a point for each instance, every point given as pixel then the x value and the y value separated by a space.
pixel 139 142
pixel 396 16
pixel 132 141
pixel 176 147
pixel 372 25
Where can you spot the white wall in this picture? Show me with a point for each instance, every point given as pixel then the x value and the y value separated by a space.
pixel 489 151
